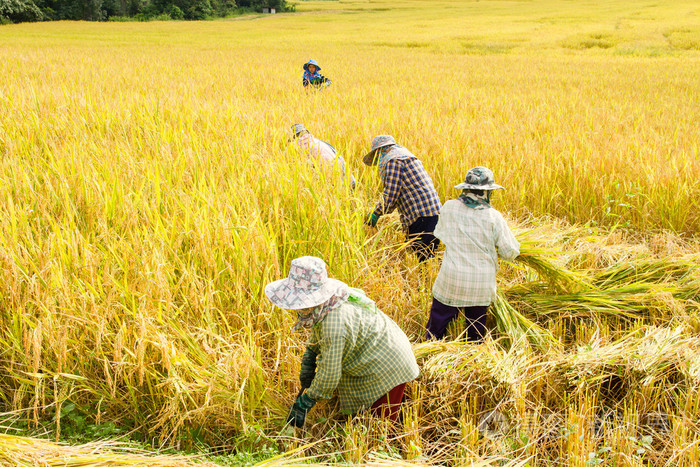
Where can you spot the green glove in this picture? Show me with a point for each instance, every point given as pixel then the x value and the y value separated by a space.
pixel 297 415
pixel 308 368
pixel 372 219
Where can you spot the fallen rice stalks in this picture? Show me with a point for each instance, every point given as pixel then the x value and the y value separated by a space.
pixel 649 270
pixel 558 277
pixel 535 392
pixel 518 328
pixel 631 302
pixel 24 451
pixel 636 288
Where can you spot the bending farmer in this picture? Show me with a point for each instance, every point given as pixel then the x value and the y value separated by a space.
pixel 319 151
pixel 353 346
pixel 408 188
pixel 474 235
pixel 312 77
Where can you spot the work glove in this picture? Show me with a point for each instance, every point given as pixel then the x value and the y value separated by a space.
pixel 297 415
pixel 372 219
pixel 308 368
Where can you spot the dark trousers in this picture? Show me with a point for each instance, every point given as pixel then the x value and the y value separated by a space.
pixel 420 234
pixel 441 315
pixel 389 405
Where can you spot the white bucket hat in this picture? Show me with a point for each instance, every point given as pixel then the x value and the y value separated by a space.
pixel 307 285
pixel 479 178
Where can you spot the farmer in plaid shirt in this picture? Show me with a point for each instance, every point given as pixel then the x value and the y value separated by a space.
pixel 474 235
pixel 353 346
pixel 407 188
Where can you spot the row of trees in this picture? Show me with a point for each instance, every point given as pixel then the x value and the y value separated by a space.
pixel 14 11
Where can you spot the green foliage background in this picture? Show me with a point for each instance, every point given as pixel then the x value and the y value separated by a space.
pixel 17 11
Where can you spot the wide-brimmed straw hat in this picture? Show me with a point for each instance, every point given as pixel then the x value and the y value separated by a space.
pixel 311 62
pixel 377 142
pixel 479 178
pixel 307 285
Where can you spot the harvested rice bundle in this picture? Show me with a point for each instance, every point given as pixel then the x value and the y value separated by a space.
pixel 633 301
pixel 469 371
pixel 542 261
pixel 689 291
pixel 519 329
pixel 424 350
pixel 652 361
pixel 649 270
pixel 24 451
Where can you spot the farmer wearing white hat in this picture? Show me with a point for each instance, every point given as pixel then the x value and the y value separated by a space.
pixel 319 151
pixel 353 346
pixel 474 234
pixel 312 77
pixel 407 188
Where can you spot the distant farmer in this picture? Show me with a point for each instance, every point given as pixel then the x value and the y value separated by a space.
pixel 319 151
pixel 353 346
pixel 312 77
pixel 474 234
pixel 409 189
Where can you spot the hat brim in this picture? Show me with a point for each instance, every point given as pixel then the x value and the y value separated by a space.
pixel 466 186
pixel 289 298
pixel 296 136
pixel 371 157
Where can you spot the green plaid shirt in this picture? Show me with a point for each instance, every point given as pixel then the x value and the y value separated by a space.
pixel 361 352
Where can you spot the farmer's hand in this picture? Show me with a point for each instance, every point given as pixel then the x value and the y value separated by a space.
pixel 372 219
pixel 297 415
pixel 308 368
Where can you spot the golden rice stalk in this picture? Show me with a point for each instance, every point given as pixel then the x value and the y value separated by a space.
pixel 24 451
pixel 378 460
pixel 632 301
pixel 541 261
pixel 424 350
pixel 650 270
pixel 519 329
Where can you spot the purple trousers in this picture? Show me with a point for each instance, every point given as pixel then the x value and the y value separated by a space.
pixel 441 315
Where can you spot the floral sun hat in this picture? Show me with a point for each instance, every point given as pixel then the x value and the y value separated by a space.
pixel 479 178
pixel 377 142
pixel 307 285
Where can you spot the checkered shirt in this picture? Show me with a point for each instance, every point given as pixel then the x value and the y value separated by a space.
pixel 408 188
pixel 361 352
pixel 473 241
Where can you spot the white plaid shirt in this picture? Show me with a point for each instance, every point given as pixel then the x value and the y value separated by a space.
pixel 473 241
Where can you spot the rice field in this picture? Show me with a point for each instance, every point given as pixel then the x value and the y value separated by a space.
pixel 148 193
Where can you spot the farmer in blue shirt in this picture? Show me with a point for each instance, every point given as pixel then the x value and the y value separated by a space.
pixel 312 77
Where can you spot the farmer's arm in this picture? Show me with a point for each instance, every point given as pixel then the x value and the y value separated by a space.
pixel 313 345
pixel 393 178
pixel 508 247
